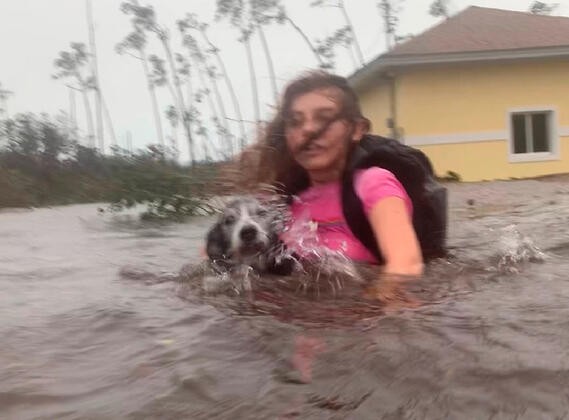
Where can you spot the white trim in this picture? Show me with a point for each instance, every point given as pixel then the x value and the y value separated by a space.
pixel 532 157
pixel 473 137
pixel 387 61
pixel 554 138
pixel 466 57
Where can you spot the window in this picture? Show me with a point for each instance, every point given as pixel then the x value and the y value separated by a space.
pixel 533 135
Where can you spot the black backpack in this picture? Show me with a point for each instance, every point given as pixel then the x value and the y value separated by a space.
pixel 414 170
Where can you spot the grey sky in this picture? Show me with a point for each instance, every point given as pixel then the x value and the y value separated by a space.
pixel 32 32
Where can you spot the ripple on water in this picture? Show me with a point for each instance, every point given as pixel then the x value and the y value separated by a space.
pixel 81 341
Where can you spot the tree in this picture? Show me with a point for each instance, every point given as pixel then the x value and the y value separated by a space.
pixel 348 36
pixel 205 71
pixel 191 22
pixel 240 18
pixel 204 74
pixel 439 8
pixel 96 81
pixel 541 8
pixel 4 95
pixel 134 44
pixel 145 18
pixel 42 138
pixel 389 11
pixel 282 16
pixel 249 16
pixel 172 117
pixel 262 14
pixel 71 65
pixel 327 46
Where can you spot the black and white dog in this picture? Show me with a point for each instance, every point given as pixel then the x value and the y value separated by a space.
pixel 247 234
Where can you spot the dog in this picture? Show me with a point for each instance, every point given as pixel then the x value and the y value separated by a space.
pixel 246 234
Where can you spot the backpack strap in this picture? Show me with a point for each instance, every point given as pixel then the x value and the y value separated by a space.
pixel 353 208
pixel 413 169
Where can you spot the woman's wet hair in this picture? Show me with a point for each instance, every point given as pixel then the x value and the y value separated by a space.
pixel 275 164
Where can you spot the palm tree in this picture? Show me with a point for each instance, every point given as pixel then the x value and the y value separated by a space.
pixel 96 79
pixel 134 45
pixel 235 11
pixel 350 33
pixel 145 18
pixel 541 8
pixel 191 22
pixel 439 8
pixel 70 65
pixel 282 16
pixel 172 117
pixel 389 11
pixel 327 46
pixel 199 60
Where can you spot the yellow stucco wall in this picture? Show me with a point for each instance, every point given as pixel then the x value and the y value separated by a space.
pixel 468 100
pixel 489 160
pixel 375 106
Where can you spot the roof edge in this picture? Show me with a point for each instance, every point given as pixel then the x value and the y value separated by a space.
pixel 386 62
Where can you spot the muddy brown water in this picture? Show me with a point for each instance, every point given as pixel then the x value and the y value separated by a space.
pixel 81 341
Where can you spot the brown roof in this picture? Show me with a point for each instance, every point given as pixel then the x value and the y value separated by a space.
pixel 483 29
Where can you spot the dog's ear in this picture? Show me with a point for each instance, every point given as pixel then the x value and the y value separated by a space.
pixel 217 244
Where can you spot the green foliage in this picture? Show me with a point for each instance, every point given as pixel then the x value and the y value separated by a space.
pixel 70 64
pixel 541 8
pixel 167 190
pixel 43 165
pixel 451 176
pixel 439 8
pixel 325 48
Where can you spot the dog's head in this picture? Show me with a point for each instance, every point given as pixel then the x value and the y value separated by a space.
pixel 246 232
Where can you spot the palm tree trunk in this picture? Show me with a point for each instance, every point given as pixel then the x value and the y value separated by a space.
pixel 109 121
pixel 95 71
pixel 211 105
pixel 153 100
pixel 180 97
pixel 89 119
pixel 88 114
pixel 223 121
pixel 354 38
pixel 229 84
pixel 253 77
pixel 352 56
pixel 270 65
pixel 72 112
pixel 306 39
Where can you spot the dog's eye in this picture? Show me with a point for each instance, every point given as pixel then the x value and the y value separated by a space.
pixel 262 212
pixel 229 220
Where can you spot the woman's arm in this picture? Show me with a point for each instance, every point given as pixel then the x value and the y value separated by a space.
pixel 396 238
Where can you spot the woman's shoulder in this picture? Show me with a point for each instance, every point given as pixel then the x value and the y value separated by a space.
pixel 375 183
pixel 374 174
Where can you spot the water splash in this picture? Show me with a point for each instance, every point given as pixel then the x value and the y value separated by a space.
pixel 321 267
pixel 515 249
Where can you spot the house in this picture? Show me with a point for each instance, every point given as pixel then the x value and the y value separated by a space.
pixel 484 94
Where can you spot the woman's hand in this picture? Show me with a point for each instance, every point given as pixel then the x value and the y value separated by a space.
pixel 396 238
pixel 390 290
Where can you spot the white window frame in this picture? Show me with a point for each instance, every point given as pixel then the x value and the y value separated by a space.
pixel 552 128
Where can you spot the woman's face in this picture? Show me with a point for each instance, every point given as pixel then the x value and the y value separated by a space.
pixel 316 137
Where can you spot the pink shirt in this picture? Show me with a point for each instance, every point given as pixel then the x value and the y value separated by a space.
pixel 320 208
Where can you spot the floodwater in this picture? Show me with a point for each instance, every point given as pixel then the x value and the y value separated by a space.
pixel 81 340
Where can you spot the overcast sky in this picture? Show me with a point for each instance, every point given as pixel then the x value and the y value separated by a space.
pixel 32 32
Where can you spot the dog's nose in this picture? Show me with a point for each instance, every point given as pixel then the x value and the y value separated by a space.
pixel 248 233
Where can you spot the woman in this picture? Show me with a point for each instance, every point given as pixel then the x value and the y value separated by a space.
pixel 306 150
